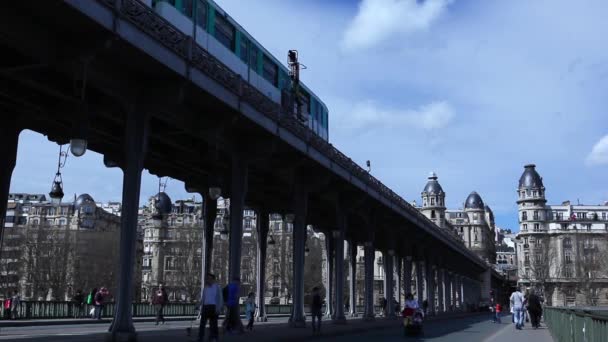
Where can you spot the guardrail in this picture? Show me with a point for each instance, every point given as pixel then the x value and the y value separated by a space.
pixel 144 17
pixel 60 309
pixel 588 324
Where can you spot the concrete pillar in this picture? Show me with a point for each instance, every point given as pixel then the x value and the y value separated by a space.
pixel 329 279
pixel 440 290
pixel 430 287
pixel 298 318
pixel 388 283
pixel 352 246
pixel 461 289
pixel 135 145
pixel 398 280
pixel 262 229
pixel 369 281
pixel 407 275
pixel 448 291
pixel 238 191
pixel 9 139
pixel 339 236
pixel 210 215
pixel 420 281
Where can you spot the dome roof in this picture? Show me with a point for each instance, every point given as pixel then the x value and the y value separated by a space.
pixel 474 201
pixel 83 199
pixel 530 178
pixel 163 203
pixel 490 212
pixel 432 186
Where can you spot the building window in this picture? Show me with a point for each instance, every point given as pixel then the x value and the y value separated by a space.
pixel 169 263
pixel 536 227
pixel 567 243
pixel 604 216
pixel 244 47
pixel 524 216
pixel 432 213
pixel 432 201
pixel 270 71
pixel 224 32
pixel 567 274
pixel 525 226
pixel 534 193
pixel 535 214
pixel 580 215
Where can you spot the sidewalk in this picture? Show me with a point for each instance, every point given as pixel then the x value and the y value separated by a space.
pixel 527 334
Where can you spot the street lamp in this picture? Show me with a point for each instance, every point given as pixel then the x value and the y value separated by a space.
pixel 56 193
pixel 224 232
pixel 215 192
pixel 78 146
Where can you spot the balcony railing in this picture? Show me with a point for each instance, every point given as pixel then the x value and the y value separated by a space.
pixel 577 324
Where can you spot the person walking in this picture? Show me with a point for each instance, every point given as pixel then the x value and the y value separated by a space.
pixel 91 301
pixel 498 310
pixel 517 305
pixel 211 304
pixel 78 304
pixel 315 309
pixel 233 318
pixel 99 302
pixel 15 305
pixel 534 309
pixel 250 310
pixel 7 308
pixel 383 302
pixel 159 300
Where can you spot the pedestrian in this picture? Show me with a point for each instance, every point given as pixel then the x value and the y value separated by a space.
pixel 78 304
pixel 211 303
pixel 498 310
pixel 383 302
pixel 91 301
pixel 517 304
pixel 159 300
pixel 15 305
pixel 534 309
pixel 99 301
pixel 315 310
pixel 493 310
pixel 233 318
pixel 250 310
pixel 425 306
pixel 7 308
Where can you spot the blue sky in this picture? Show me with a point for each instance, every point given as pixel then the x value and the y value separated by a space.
pixel 472 90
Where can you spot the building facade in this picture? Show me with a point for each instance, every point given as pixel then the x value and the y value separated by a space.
pixel 51 249
pixel 562 249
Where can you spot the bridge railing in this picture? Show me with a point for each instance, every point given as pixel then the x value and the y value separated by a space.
pixel 577 324
pixel 66 309
pixel 160 29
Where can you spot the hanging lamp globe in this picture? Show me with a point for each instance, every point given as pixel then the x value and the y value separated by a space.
pixel 78 146
pixel 56 191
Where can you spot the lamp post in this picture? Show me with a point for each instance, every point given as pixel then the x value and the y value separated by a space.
pixel 56 193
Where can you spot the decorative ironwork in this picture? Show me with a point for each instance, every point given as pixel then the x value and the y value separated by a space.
pixel 167 34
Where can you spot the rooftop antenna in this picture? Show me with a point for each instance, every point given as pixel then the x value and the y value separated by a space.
pixel 162 186
pixel 294 72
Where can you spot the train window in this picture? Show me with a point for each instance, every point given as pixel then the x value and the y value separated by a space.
pixel 188 7
pixel 201 14
pixel 224 32
pixel 244 46
pixel 306 98
pixel 253 57
pixel 270 71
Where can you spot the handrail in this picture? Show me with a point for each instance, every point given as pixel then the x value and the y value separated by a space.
pixel 588 324
pixel 171 37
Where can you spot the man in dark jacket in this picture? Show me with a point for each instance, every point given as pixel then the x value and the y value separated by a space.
pixel 535 309
pixel 78 301
pixel 159 300
pixel 315 308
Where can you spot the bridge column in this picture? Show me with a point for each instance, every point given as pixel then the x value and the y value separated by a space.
pixel 459 291
pixel 238 191
pixel 339 236
pixel 388 283
pixel 430 287
pixel 407 275
pixel 329 279
pixel 398 279
pixel 262 229
pixel 298 318
pixel 352 245
pixel 448 291
pixel 9 139
pixel 210 215
pixel 135 138
pixel 369 256
pixel 440 290
pixel 420 281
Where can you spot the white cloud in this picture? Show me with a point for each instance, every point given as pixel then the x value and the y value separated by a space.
pixel 379 19
pixel 367 114
pixel 599 152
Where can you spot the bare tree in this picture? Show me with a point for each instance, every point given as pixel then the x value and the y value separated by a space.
pixel 591 265
pixel 188 263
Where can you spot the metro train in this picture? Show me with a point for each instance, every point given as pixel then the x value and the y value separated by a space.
pixel 213 29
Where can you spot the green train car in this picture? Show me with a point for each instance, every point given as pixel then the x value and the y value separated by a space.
pixel 212 28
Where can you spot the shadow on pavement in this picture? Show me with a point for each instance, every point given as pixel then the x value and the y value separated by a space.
pixel 435 329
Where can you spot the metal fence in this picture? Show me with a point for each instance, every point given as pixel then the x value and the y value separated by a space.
pixel 57 309
pixel 577 324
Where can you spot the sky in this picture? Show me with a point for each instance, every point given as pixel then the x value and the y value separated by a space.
pixel 472 90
